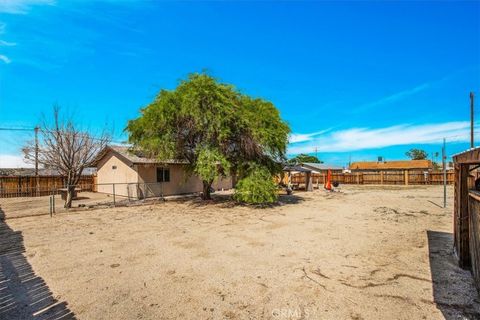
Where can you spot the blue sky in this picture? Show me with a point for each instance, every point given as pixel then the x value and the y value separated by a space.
pixel 354 80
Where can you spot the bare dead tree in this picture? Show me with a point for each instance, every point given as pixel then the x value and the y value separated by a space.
pixel 67 149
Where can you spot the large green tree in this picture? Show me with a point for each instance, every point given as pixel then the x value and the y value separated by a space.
pixel 416 154
pixel 213 127
pixel 304 158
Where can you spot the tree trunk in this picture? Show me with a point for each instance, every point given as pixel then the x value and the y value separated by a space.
pixel 206 190
pixel 72 181
pixel 70 194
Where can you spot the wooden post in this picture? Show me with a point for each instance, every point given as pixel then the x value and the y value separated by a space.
pixel 381 177
pixel 456 197
pixel 51 207
pixel 406 177
pixel 308 182
pixel 113 189
pixel 358 177
pixel 462 216
pixel 444 159
pixel 472 143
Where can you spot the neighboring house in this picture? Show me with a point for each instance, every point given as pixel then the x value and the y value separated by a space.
pixel 376 166
pixel 138 176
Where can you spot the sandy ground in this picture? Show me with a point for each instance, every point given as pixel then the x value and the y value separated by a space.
pixel 363 253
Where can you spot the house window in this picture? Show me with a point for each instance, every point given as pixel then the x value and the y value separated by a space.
pixel 163 175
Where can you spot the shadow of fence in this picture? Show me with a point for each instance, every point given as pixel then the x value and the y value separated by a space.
pixel 454 291
pixel 23 295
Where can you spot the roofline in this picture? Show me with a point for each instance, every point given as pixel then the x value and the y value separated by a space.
pixel 376 169
pixel 105 151
pixel 468 156
pixel 290 168
pixel 108 148
pixel 311 165
pixel 384 165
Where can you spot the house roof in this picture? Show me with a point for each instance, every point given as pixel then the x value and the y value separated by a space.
pixel 291 168
pixel 133 156
pixel 392 165
pixel 320 166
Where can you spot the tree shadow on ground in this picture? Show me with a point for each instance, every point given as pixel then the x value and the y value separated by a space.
pixel 24 295
pixel 226 201
pixel 454 291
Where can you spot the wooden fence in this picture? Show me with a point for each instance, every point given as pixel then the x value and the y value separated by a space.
pixel 29 187
pixel 384 177
pixel 474 234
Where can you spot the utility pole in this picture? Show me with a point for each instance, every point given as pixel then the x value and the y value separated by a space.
pixel 36 151
pixel 37 182
pixel 444 158
pixel 472 144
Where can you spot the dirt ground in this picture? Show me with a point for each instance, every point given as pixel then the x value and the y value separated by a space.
pixel 363 253
pixel 35 206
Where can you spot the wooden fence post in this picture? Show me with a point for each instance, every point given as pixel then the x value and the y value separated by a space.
pixel 381 177
pixel 51 206
pixel 113 189
pixel 406 177
pixel 462 216
pixel 308 182
pixel 358 177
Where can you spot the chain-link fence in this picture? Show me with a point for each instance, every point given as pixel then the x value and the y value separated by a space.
pixel 23 202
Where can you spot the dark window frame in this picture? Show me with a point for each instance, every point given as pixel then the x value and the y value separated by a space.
pixel 163 174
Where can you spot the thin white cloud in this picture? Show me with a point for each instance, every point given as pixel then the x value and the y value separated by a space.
pixel 4 43
pixel 394 97
pixel 302 137
pixel 12 161
pixel 5 59
pixel 368 138
pixel 21 6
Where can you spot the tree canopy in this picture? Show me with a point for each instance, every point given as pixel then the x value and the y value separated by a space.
pixel 63 146
pixel 213 127
pixel 416 154
pixel 257 187
pixel 303 158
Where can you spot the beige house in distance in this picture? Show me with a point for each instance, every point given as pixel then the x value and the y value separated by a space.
pixel 395 166
pixel 136 176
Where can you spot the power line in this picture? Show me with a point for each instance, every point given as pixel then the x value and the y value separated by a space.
pixel 17 129
pixel 33 129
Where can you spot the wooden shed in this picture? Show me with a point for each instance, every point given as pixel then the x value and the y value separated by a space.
pixel 293 170
pixel 466 215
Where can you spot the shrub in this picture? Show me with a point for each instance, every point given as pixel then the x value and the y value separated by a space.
pixel 256 188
